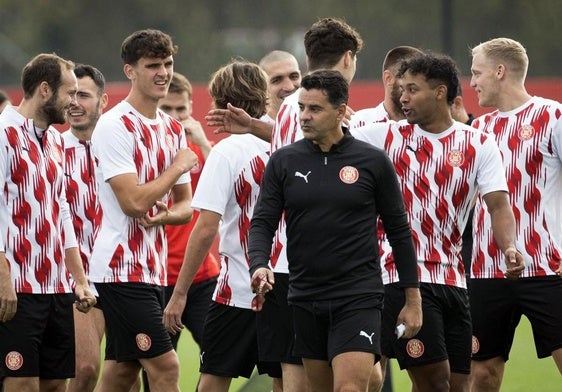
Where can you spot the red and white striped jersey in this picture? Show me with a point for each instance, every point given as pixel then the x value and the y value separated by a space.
pixel 124 142
pixel 286 130
pixel 35 222
pixel 530 140
pixel 81 193
pixel 439 175
pixel 229 185
pixel 368 116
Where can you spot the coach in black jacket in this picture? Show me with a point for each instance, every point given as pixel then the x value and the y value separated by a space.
pixel 332 188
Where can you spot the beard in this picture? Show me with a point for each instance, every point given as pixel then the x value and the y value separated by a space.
pixel 395 97
pixel 53 112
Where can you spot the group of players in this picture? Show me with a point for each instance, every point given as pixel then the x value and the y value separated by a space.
pixel 320 211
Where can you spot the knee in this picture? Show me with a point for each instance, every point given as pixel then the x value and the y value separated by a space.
pixel 87 371
pixel 486 375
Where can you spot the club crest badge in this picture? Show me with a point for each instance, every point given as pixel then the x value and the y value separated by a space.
pixel 143 342
pixel 526 132
pixel 475 345
pixel 349 174
pixel 415 348
pixel 14 360
pixel 455 158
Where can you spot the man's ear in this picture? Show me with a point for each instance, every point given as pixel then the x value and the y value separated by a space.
pixel 45 90
pixel 441 92
pixel 341 111
pixel 500 71
pixel 129 71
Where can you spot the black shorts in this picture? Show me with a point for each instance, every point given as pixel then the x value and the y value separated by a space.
pixel 230 347
pixel 324 329
pixel 276 336
pixel 199 298
pixel 446 332
pixel 39 340
pixel 497 306
pixel 133 319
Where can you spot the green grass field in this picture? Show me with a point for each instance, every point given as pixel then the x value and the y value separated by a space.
pixel 524 372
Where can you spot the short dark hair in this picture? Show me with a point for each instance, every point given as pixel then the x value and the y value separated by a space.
pixel 242 84
pixel 398 54
pixel 45 67
pixel 437 68
pixel 147 43
pixel 85 70
pixel 331 82
pixel 327 41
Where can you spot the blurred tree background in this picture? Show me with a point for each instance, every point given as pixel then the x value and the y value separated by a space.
pixel 211 32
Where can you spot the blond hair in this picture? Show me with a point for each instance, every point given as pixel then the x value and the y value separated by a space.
pixel 505 51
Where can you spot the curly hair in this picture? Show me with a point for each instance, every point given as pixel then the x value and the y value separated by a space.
pixel 327 41
pixel 147 43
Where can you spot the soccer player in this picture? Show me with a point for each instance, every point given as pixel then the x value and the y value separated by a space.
pixel 529 132
pixel 143 161
pixel 390 108
pixel 38 248
pixel 226 194
pixel 441 164
pixel 81 193
pixel 284 78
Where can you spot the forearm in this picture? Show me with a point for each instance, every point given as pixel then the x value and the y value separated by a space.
pixel 503 227
pixel 74 265
pixel 198 246
pixel 261 129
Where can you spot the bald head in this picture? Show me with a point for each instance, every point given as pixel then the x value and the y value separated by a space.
pixel 283 78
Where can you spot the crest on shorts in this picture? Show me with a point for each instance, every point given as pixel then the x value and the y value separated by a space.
pixel 349 174
pixel 14 360
pixel 475 345
pixel 143 341
pixel 415 348
pixel 526 132
pixel 455 158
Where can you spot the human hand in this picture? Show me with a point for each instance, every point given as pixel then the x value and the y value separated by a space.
pixel 173 312
pixel 8 300
pixel 186 159
pixel 514 263
pixel 157 219
pixel 85 299
pixel 262 282
pixel 229 120
pixel 411 315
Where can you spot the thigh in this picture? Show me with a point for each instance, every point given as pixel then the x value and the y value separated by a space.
pixel 311 331
pixel 21 337
pixel 428 346
pixel 57 353
pixel 275 325
pixel 199 298
pixel 355 325
pixel 495 316
pixel 133 317
pixel 539 299
pixel 229 347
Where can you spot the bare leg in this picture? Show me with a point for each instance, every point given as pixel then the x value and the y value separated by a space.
pixel 352 371
pixel 212 383
pixel 89 329
pixel 486 376
pixel 319 375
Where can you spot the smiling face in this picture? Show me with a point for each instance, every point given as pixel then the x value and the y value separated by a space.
pixel 284 78
pixel 484 80
pixel 84 114
pixel 151 76
pixel 56 107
